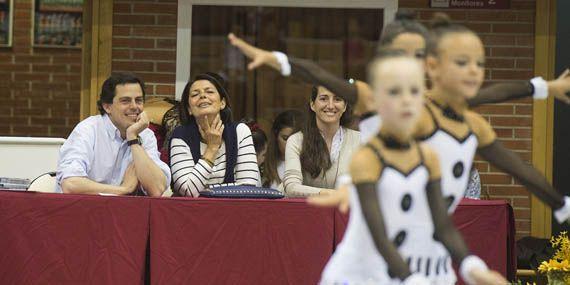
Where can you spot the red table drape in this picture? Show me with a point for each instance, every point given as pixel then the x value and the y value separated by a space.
pixel 72 239
pixel 488 229
pixel 204 241
pixel 79 239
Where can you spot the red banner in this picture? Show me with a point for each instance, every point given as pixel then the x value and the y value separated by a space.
pixel 471 4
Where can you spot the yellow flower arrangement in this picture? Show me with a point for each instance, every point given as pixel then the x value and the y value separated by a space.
pixel 558 267
pixel 554 265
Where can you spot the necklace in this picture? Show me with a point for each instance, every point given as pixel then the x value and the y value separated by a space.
pixel 337 165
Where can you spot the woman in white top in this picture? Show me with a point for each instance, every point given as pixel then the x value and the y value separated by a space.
pixel 321 152
pixel 285 124
pixel 208 149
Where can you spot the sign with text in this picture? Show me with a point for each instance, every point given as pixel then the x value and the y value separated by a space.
pixel 471 4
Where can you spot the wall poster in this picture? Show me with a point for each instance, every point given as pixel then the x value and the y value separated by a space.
pixel 58 23
pixel 6 22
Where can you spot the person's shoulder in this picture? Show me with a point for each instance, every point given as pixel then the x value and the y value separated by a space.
pixel 242 130
pixel 89 125
pixel 425 125
pixel 431 160
pixel 85 132
pixel 350 133
pixel 352 140
pixel 364 153
pixel 147 134
pixel 481 127
pixel 365 166
pixel 295 140
pixel 297 137
pixel 91 121
pixel 474 119
pixel 179 132
pixel 428 153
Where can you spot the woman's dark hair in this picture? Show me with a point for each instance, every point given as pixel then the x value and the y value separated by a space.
pixel 287 119
pixel 110 86
pixel 315 156
pixel 257 134
pixel 441 26
pixel 403 23
pixel 219 83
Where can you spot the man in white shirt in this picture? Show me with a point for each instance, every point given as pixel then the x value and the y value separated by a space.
pixel 115 152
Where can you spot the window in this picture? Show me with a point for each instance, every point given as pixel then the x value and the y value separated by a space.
pixel 341 39
pixel 6 8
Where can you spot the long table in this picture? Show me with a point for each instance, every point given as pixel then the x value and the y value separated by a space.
pixel 204 241
pixel 76 239
pixel 488 228
pixel 72 239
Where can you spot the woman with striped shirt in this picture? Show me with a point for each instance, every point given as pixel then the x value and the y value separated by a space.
pixel 209 149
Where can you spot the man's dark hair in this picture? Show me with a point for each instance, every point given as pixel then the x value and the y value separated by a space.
pixel 109 87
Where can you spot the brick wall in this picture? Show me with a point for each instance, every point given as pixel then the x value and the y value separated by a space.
pixel 144 41
pixel 40 87
pixel 508 36
pixel 39 93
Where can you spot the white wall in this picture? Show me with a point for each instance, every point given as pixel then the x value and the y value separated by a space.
pixel 23 157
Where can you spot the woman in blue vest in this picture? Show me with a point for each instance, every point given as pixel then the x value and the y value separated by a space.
pixel 209 149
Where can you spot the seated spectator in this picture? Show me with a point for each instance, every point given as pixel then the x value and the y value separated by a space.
pixel 321 152
pixel 259 143
pixel 156 109
pixel 208 149
pixel 259 140
pixel 170 121
pixel 285 124
pixel 114 152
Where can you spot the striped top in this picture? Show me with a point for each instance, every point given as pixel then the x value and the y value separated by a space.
pixel 189 178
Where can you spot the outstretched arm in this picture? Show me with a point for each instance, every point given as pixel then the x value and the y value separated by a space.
pixel 502 92
pixel 537 87
pixel 358 94
pixel 305 70
pixel 493 151
pixel 506 160
pixel 338 199
pixel 312 73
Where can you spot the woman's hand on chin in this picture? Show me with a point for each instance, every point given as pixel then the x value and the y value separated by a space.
pixel 211 132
